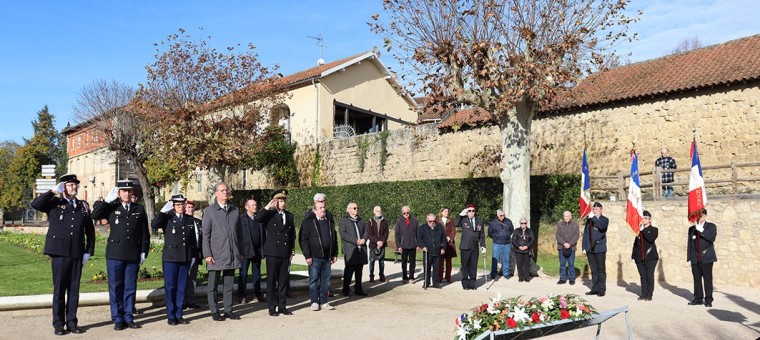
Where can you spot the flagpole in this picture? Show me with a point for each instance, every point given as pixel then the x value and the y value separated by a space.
pixel 694 143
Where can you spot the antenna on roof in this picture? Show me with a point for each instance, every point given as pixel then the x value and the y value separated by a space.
pixel 321 43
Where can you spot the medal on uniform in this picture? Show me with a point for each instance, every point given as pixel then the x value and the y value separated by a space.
pixel 174 231
pixel 61 216
pixel 117 221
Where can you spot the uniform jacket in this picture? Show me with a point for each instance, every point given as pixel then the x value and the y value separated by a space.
pixel 501 231
pixel 221 236
pixel 700 245
pixel 406 235
pixel 472 235
pixel 198 224
pixel 129 230
pixel 70 232
pixel 432 238
pixel 252 241
pixel 311 239
pixel 279 237
pixel 179 236
pixel 567 232
pixel 353 253
pixel 378 232
pixel 644 248
pixel 451 232
pixel 595 234
pixel 522 237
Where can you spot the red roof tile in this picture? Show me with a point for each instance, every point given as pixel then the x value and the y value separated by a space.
pixel 469 117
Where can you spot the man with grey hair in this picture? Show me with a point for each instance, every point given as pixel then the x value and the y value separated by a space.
pixel 500 230
pixel 432 239
pixel 405 233
pixel 353 232
pixel 378 231
pixel 568 233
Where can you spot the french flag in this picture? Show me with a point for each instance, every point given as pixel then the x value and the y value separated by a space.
pixel 697 192
pixel 584 201
pixel 634 211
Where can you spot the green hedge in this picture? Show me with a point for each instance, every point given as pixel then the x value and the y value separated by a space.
pixel 551 196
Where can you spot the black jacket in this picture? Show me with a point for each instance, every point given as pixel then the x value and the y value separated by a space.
pixel 595 234
pixel 432 238
pixel 644 248
pixel 129 230
pixel 472 235
pixel 70 230
pixel 311 239
pixel 252 240
pixel 280 238
pixel 198 224
pixel 522 238
pixel 700 245
pixel 501 231
pixel 179 236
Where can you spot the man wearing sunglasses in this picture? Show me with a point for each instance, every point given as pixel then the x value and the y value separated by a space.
pixel 472 235
pixel 405 233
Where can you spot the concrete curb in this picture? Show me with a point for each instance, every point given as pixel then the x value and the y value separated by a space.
pixel 10 303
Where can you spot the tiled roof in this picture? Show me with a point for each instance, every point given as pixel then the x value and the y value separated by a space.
pixel 316 71
pixel 722 64
pixel 470 117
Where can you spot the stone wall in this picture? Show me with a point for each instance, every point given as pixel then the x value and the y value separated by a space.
pixel 735 245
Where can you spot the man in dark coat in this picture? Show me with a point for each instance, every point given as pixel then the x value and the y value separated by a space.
pixel 354 234
pixel 473 235
pixel 405 232
pixel 193 272
pixel 252 248
pixel 128 245
pixel 645 256
pixel 319 244
pixel 595 248
pixel 279 248
pixel 378 231
pixel 432 239
pixel 70 241
pixel 179 252
pixel 500 230
pixel 221 246
pixel 567 235
pixel 701 255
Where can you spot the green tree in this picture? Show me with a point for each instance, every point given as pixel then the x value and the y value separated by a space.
pixel 8 151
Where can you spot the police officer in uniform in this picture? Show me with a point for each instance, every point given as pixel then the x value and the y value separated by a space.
pixel 645 256
pixel 595 248
pixel 127 246
pixel 279 247
pixel 69 242
pixel 193 273
pixel 178 254
pixel 473 234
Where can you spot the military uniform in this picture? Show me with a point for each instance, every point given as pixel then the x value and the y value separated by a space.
pixel 644 254
pixel 595 246
pixel 193 272
pixel 701 254
pixel 127 245
pixel 279 246
pixel 70 235
pixel 179 251
pixel 473 235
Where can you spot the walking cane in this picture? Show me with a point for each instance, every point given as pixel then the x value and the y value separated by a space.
pixel 485 269
pixel 425 270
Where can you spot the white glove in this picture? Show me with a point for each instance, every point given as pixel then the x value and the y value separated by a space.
pixel 701 228
pixel 167 207
pixel 584 252
pixel 463 213
pixel 483 250
pixel 590 215
pixel 60 188
pixel 113 195
pixel 142 258
pixel 85 258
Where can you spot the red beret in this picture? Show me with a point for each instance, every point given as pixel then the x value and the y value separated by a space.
pixel 470 205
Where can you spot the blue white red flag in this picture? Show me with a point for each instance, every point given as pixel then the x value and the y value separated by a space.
pixel 585 199
pixel 634 211
pixel 697 192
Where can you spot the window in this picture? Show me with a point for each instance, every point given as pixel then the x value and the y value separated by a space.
pixel 198 180
pixel 79 140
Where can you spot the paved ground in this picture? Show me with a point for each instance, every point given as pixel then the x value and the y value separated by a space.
pixel 406 311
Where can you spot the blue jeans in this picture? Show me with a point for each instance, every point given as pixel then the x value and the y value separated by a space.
pixel 500 251
pixel 567 267
pixel 380 261
pixel 255 264
pixel 122 285
pixel 319 279
pixel 667 191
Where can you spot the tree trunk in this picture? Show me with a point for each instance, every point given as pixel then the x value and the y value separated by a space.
pixel 148 195
pixel 515 160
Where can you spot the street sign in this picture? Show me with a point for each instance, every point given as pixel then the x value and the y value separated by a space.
pixel 44 184
pixel 48 170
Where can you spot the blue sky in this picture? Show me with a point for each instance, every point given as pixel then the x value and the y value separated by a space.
pixel 49 50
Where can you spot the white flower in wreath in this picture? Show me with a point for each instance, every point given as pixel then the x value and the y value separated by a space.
pixel 462 332
pixel 492 309
pixel 548 304
pixel 475 324
pixel 519 314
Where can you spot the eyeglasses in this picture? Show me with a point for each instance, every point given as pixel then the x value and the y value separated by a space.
pixel 523 222
pixel 470 210
pixel 352 208
pixel 406 213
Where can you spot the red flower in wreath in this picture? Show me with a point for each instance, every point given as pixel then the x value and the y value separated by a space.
pixel 535 317
pixel 564 314
pixel 511 323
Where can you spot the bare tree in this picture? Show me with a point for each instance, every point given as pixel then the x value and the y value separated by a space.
pixel 107 106
pixel 508 57
pixel 687 44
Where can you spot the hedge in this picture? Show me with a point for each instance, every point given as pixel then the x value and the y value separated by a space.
pixel 551 196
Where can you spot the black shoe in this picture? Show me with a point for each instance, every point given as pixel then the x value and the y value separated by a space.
pixel 261 298
pixel 119 326
pixel 73 328
pixel 591 293
pixel 648 298
pixel 192 306
pixel 383 279
pixel 286 312
pixel 642 298
pixel 181 321
pixel 216 316
pixel 708 304
pixel 59 331
pixel 572 282
pixel 231 315
pixel 600 294
pixel 694 302
pixel 273 313
pixel 560 282
pixel 361 293
pixel 172 322
pixel 133 325
pixel 438 286
pixel 371 279
pixel 345 294
pixel 137 312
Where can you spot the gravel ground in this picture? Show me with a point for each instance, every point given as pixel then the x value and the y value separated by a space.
pixel 406 311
